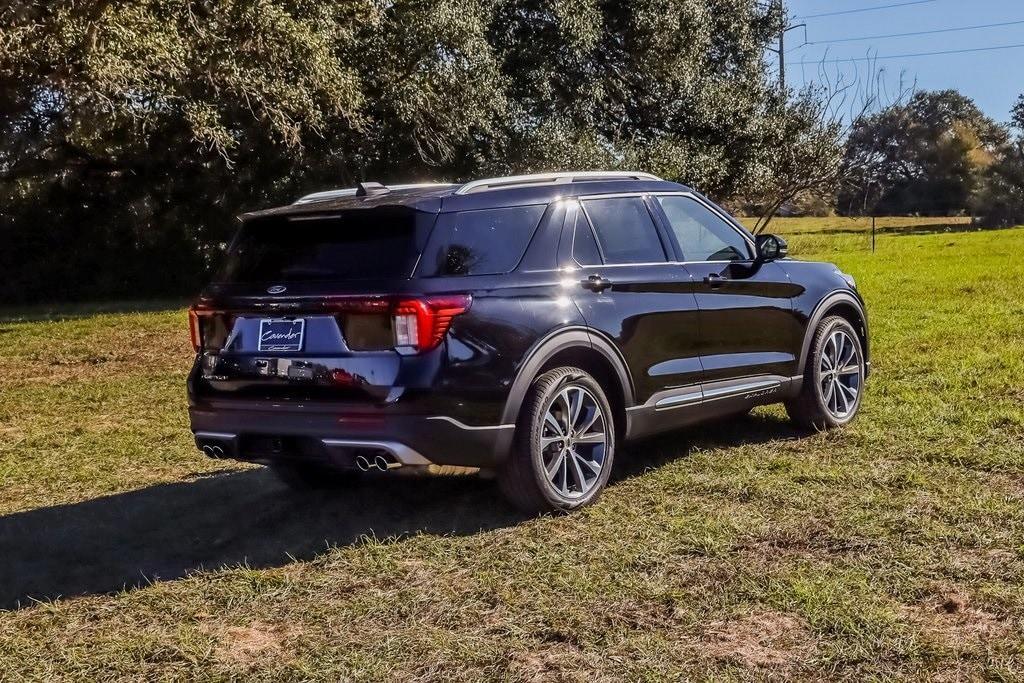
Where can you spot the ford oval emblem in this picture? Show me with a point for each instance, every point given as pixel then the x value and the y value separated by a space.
pixel 277 289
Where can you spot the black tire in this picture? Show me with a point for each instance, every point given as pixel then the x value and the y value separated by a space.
pixel 810 409
pixel 523 478
pixel 305 476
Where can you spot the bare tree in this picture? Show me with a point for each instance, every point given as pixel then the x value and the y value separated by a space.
pixel 812 129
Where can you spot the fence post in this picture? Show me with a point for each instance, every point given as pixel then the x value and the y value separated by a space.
pixel 872 233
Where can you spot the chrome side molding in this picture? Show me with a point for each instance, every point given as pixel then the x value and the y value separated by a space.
pixel 472 428
pixel 696 394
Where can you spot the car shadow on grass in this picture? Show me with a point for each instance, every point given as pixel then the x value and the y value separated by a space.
pixel 728 432
pixel 164 532
pixel 168 531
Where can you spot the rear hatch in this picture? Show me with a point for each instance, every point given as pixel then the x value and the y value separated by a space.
pixel 316 305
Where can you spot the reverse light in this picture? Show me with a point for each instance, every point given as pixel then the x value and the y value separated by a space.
pixel 422 323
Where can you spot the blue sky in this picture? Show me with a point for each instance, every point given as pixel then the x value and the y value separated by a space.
pixel 993 79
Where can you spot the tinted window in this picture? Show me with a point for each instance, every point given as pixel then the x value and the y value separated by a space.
pixel 482 242
pixel 702 234
pixel 584 246
pixel 352 245
pixel 625 230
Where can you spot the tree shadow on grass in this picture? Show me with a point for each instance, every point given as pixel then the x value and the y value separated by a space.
pixel 164 532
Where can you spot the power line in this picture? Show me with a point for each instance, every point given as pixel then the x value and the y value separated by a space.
pixel 909 54
pixel 865 9
pixel 914 33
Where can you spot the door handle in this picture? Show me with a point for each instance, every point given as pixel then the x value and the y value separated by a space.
pixel 596 283
pixel 715 280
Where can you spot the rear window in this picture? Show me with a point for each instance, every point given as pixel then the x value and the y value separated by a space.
pixel 484 242
pixel 351 245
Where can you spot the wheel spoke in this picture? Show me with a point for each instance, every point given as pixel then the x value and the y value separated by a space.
pixel 575 406
pixel 589 422
pixel 849 351
pixel 850 370
pixel 833 356
pixel 826 360
pixel 563 470
pixel 841 396
pixel 593 437
pixel 546 441
pixel 595 468
pixel 566 410
pixel 829 394
pixel 556 463
pixel 577 473
pixel 848 391
pixel 551 421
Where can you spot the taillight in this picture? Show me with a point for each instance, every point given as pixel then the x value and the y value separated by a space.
pixel 423 322
pixel 208 327
pixel 193 329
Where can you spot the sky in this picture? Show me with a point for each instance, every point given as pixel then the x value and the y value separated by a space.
pixel 993 79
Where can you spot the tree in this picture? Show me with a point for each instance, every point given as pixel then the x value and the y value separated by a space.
pixel 1000 200
pixel 131 133
pixel 925 156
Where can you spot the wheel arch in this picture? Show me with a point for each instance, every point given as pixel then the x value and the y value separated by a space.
pixel 845 305
pixel 576 347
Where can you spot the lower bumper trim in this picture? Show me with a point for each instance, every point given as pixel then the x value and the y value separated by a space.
pixel 402 453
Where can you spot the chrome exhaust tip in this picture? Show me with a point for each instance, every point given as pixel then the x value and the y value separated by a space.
pixel 382 463
pixel 363 464
pixel 212 451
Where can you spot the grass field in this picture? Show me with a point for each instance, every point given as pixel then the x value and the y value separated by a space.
pixel 743 550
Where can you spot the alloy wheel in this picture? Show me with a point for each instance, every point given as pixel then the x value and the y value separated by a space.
pixel 573 442
pixel 839 374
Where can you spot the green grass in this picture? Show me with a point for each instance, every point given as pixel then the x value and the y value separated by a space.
pixel 744 550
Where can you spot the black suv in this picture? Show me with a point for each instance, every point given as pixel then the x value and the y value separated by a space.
pixel 524 325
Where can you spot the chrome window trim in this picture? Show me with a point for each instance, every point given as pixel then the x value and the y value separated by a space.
pixel 614 195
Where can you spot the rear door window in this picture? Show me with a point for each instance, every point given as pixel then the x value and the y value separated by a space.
pixel 482 242
pixel 584 245
pixel 625 230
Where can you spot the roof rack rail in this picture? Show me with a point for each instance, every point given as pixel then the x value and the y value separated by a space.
pixel 550 179
pixel 327 195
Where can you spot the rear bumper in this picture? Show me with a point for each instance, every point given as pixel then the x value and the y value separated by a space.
pixel 264 432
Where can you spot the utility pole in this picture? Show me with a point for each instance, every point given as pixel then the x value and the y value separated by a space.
pixel 781 50
pixel 782 55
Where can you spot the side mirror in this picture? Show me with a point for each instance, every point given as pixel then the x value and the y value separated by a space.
pixel 770 247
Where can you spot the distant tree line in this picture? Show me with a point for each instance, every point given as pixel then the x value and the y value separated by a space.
pixel 132 133
pixel 936 154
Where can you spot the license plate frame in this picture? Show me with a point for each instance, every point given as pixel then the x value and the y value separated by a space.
pixel 282 335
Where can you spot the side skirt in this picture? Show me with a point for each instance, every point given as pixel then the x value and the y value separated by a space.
pixel 682 406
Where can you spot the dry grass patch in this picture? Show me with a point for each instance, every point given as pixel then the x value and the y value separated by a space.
pixel 760 639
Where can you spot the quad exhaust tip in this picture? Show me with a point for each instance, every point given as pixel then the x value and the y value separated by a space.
pixel 378 462
pixel 213 451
